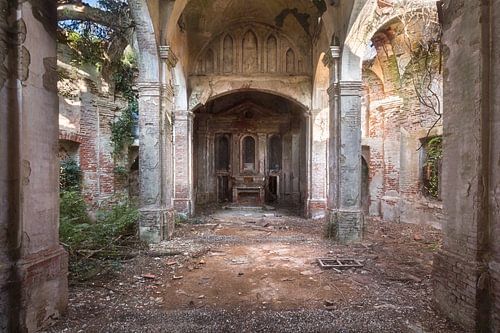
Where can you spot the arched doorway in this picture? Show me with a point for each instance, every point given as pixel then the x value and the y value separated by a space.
pixel 249 149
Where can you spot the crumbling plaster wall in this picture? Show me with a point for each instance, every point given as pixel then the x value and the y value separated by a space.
pixel 466 269
pixel 396 124
pixel 33 269
pixel 171 27
pixel 283 120
pixel 87 110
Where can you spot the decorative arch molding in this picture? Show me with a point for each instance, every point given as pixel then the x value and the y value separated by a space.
pixel 249 153
pixel 296 89
pixel 253 48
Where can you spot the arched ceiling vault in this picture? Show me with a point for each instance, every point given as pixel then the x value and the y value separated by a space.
pixel 203 20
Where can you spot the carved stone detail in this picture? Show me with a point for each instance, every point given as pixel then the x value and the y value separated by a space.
pixel 252 49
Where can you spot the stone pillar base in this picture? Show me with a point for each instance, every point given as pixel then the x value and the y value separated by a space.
pixel 42 289
pixel 344 226
pixel 457 283
pixel 156 224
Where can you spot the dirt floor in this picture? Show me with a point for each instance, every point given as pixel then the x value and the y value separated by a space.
pixel 257 271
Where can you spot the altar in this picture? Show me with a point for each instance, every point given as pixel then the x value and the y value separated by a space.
pixel 249 190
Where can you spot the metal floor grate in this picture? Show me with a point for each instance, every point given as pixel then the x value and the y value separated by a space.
pixel 338 264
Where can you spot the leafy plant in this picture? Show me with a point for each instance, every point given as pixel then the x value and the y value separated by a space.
pixel 72 207
pixel 86 48
pixel 120 171
pixel 122 129
pixel 70 175
pixel 95 245
pixel 434 154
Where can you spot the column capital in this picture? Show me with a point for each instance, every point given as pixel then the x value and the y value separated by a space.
pixel 168 56
pixel 183 115
pixel 331 55
pixel 152 89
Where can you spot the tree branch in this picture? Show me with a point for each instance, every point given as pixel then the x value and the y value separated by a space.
pixel 83 12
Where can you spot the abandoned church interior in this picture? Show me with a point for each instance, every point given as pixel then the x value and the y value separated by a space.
pixel 195 136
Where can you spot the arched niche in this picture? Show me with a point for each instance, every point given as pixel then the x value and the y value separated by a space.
pixel 272 54
pixel 223 152
pixel 250 52
pixel 248 153
pixel 227 54
pixel 290 61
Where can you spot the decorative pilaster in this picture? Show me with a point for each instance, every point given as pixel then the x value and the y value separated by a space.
pixel 344 198
pixel 183 160
pixel 156 220
pixel 318 129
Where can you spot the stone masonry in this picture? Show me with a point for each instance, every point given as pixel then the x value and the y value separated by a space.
pixel 466 269
pixel 33 266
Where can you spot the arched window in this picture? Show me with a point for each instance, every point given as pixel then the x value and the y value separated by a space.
pixel 275 153
pixel 222 154
pixel 248 153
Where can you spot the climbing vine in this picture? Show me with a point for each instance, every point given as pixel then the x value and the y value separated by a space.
pixel 70 175
pixel 122 129
pixel 432 166
pixel 426 52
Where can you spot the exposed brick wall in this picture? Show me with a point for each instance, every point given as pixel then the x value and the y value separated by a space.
pixel 455 281
pixel 397 122
pixel 85 118
pixel 466 270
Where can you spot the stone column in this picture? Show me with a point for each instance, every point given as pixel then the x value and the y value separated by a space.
pixel 33 266
pixel 318 142
pixel 344 196
pixel 155 152
pixel 155 215
pixel 467 268
pixel 183 157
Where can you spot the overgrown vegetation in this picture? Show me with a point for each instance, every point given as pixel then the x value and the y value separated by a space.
pixel 95 244
pixel 98 36
pixel 122 129
pixel 96 247
pixel 70 175
pixel 432 166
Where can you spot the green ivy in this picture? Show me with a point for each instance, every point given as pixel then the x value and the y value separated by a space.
pixel 70 174
pixel 121 129
pixel 434 154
